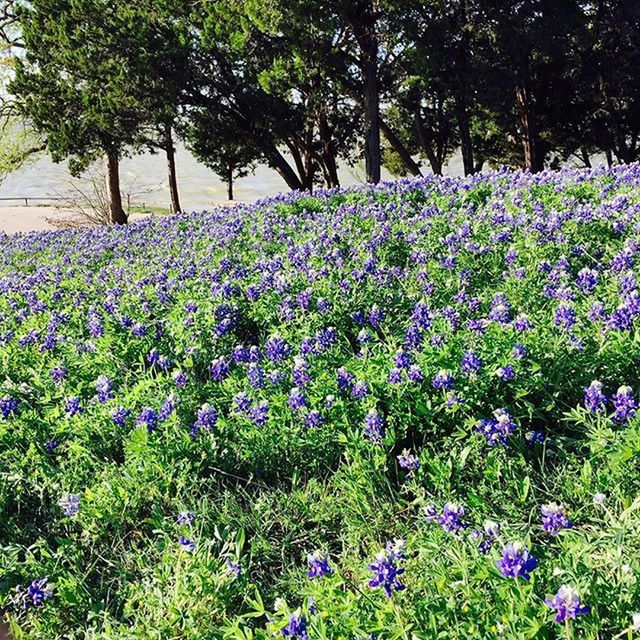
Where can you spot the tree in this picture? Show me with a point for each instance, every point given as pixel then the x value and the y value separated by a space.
pixel 212 140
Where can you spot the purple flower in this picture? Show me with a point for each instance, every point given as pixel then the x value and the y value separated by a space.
pixel 72 406
pixel 58 374
pixel 471 363
pixel 148 417
pixel 51 445
pixel 297 399
pixel 360 389
pixel 277 349
pixel 594 399
pixel 451 517
pixel 70 504
pixel 119 416
pixel 259 413
pixel 188 545
pixel 34 595
pixel 180 378
pixel 386 570
pixel 554 518
pixel 565 316
pixel 318 565
pixel 516 561
pixel 103 387
pixel 443 380
pixel 233 569
pixel 344 378
pixel 408 461
pixel 587 280
pixel 624 403
pixel 219 369
pixel 8 406
pixel 296 627
pixel 186 518
pixel 374 426
pixel 506 373
pixel 313 419
pixel 567 604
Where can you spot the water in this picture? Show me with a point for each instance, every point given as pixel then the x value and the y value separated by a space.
pixel 144 178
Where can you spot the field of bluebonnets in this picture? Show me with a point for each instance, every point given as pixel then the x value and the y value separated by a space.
pixel 406 411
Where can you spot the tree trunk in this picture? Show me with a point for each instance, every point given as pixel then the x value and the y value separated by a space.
pixel 309 165
pixel 171 169
pixel 363 23
pixel 410 164
pixel 114 197
pixel 329 166
pixel 466 144
pixel 278 162
pixel 432 156
pixel 530 144
pixel 230 182
pixel 609 156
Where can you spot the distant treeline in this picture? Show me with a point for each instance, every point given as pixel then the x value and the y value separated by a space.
pixel 302 85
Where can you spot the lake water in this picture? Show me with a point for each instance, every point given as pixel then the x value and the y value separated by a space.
pixel 144 177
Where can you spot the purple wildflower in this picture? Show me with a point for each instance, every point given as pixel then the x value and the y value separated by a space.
pixel 554 518
pixel 70 504
pixel 516 561
pixel 386 570
pixel 318 565
pixel 567 604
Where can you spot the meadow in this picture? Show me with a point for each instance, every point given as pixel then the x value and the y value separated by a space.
pixel 403 411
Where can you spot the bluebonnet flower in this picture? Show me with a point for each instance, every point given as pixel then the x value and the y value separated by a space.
pixel 148 417
pixel 624 403
pixel 599 499
pixel 567 604
pixel 415 375
pixel 275 377
pixel 119 416
pixel 408 461
pixel 594 398
pixel 431 512
pixel 522 323
pixel 318 565
pixel 180 378
pixel 186 518
pixel 233 569
pixel 471 363
pixel 259 413
pixel 451 517
pixel 72 406
pixel 206 418
pixel 168 407
pixel 219 369
pixel 255 375
pixel 35 594
pixel 103 387
pixel 498 430
pixel 506 373
pixel 313 419
pixel 443 380
pixel 242 402
pixel 58 374
pixel 277 349
pixel 519 351
pixel 587 280
pixel 376 316
pixel 565 316
pixel 344 378
pixel 386 570
pixel 554 518
pixel 374 426
pixel 51 445
pixel 296 627
pixel 297 399
pixel 8 406
pixel 531 437
pixel 516 561
pixel 70 504
pixel 188 545
pixel 360 389
pixel 301 375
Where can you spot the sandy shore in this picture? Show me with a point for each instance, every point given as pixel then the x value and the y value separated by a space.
pixel 17 219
